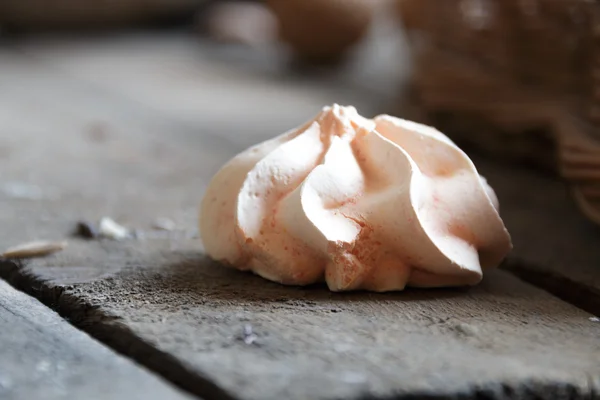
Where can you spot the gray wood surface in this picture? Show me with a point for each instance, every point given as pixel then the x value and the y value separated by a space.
pixel 190 320
pixel 555 246
pixel 133 128
pixel 44 357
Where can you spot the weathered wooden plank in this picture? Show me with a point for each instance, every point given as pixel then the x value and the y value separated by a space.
pixel 501 337
pixel 44 357
pixel 211 330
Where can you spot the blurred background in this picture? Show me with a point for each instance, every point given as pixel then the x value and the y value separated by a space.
pixel 512 80
pixel 205 57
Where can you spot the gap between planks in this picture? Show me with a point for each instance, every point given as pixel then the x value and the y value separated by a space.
pixel 107 330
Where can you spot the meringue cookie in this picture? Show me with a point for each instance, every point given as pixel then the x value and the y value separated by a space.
pixel 375 204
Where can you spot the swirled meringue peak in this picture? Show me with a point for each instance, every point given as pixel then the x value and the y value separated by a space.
pixel 364 204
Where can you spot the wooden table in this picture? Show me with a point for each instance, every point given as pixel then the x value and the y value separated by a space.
pixel 132 126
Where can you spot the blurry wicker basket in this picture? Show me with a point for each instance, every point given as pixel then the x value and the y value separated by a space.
pixel 519 79
pixel 64 14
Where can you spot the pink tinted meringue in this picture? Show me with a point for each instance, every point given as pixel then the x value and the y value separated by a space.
pixel 376 204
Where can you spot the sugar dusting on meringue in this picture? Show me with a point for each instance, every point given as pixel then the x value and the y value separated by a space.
pixel 363 204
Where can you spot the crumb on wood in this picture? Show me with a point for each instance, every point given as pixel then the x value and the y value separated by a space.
pixel 87 230
pixel 163 224
pixel 39 248
pixel 248 336
pixel 112 230
pixel 466 329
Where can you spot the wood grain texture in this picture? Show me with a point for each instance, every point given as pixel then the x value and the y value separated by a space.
pixel 43 356
pixel 159 300
pixel 187 318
